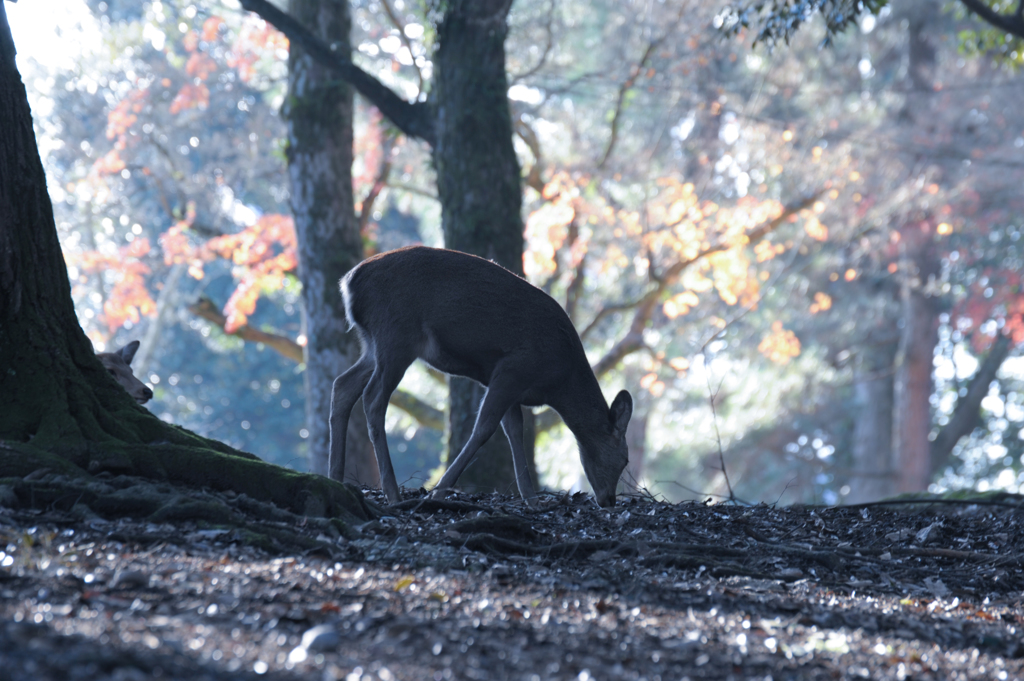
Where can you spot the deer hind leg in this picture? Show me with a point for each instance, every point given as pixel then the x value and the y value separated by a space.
pixel 344 395
pixel 387 374
pixel 502 394
pixel 512 424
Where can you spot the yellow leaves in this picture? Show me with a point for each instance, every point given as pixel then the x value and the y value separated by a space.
pixel 815 230
pixel 730 272
pixel 680 304
pixel 780 345
pixel 680 364
pixel 404 582
pixel 822 302
pixel 766 250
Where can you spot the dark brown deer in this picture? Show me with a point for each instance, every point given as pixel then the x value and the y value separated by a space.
pixel 467 316
pixel 118 363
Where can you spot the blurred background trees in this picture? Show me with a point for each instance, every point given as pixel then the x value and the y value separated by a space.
pixel 804 263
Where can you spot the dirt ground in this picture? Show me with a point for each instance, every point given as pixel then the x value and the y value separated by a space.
pixel 481 587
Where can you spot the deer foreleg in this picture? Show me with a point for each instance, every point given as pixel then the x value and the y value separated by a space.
pixel 497 400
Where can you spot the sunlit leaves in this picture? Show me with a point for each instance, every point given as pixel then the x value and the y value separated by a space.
pixel 822 302
pixel 780 345
pixel 262 254
pixel 128 298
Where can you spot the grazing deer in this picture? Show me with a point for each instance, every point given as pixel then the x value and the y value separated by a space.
pixel 467 316
pixel 118 363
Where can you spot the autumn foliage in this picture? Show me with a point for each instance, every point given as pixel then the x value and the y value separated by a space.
pixel 262 254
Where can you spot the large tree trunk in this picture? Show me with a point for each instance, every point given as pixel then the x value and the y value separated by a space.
pixel 59 409
pixel 319 114
pixel 478 183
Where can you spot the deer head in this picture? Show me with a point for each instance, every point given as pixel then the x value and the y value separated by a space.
pixel 118 363
pixel 467 316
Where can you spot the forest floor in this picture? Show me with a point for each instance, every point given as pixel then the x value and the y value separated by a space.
pixel 481 587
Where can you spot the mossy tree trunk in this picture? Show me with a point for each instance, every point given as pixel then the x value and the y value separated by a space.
pixel 319 115
pixel 59 409
pixel 478 182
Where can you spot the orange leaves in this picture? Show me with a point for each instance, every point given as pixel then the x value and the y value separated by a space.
pixel 780 345
pixel 211 27
pixel 814 229
pixel 262 254
pixel 129 299
pixel 191 96
pixel 123 116
pixel 546 231
pixel 822 302
pixel 255 39
pixel 200 65
pixel 680 304
pixel 652 384
pixel 109 164
pixel 731 275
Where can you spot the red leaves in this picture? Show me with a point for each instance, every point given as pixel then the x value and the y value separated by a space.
pixel 129 299
pixel 262 253
pixel 191 97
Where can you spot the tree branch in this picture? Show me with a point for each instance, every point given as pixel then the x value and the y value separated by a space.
pixel 424 414
pixel 405 39
pixel 414 119
pixel 645 306
pixel 967 415
pixel 544 55
pixel 1010 23
pixel 379 182
pixel 620 101
pixel 628 85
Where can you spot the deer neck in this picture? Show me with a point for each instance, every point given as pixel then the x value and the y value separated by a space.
pixel 582 406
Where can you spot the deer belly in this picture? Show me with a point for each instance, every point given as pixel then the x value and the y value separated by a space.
pixel 455 364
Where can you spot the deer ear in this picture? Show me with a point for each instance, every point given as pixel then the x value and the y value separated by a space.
pixel 620 411
pixel 128 352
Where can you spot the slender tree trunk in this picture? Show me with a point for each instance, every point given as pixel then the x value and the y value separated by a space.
pixel 916 357
pixel 319 114
pixel 873 475
pixel 478 182
pixel 915 364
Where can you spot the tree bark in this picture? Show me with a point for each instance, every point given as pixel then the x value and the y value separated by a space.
pixel 478 181
pixel 59 409
pixel 319 115
pixel 914 367
pixel 873 476
pixel 916 356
